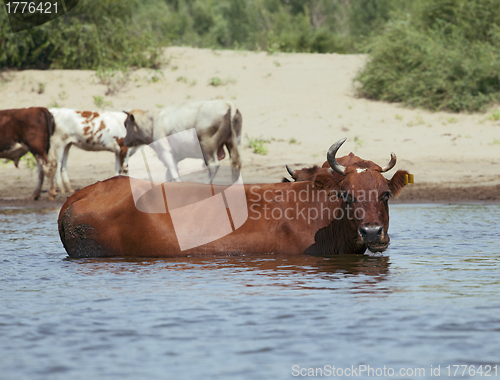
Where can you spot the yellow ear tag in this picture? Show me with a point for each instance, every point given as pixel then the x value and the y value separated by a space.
pixel 409 179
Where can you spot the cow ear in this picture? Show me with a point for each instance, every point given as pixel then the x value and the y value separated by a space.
pixel 397 182
pixel 325 181
pixel 319 185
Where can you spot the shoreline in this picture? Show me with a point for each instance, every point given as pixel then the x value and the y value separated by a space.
pixel 412 194
pixel 294 106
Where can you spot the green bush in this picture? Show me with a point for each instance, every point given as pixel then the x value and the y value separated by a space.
pixel 443 55
pixel 272 25
pixel 368 17
pixel 96 33
pixel 114 34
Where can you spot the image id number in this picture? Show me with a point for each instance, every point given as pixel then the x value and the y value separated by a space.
pixel 26 7
pixel 471 370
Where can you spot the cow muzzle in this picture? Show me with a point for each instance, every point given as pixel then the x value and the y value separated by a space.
pixel 374 237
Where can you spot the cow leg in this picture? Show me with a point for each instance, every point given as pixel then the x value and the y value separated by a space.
pixel 52 191
pixel 212 162
pixel 235 160
pixel 58 182
pixel 118 164
pixel 235 174
pixel 50 172
pixel 212 172
pixel 165 155
pixel 122 161
pixel 38 189
pixel 130 152
pixel 64 171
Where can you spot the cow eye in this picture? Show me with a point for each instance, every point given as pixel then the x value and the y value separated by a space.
pixel 347 198
pixel 385 197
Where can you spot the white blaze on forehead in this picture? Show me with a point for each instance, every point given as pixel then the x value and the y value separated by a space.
pixel 359 170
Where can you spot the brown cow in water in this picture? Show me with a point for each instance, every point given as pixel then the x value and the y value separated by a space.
pixel 321 216
pixel 26 130
pixel 306 174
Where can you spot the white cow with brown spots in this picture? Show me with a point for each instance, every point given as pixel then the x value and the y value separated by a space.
pixel 91 131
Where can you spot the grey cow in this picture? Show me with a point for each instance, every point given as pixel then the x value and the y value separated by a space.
pixel 217 123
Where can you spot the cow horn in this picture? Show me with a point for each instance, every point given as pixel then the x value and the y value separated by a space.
pixel 128 113
pixel 330 156
pixel 390 165
pixel 289 170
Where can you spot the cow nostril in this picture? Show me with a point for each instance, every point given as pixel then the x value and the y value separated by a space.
pixel 371 232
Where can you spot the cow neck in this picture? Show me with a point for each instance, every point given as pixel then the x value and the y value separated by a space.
pixel 331 236
pixel 337 235
pixel 336 238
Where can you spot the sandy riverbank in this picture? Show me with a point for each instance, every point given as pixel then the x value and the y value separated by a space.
pixel 301 103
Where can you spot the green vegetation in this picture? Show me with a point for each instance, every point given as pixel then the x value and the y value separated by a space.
pixel 215 81
pixel 419 121
pixel 495 115
pixel 115 34
pixel 434 54
pixel 100 102
pixel 359 142
pixel 115 80
pixel 257 144
pixel 272 25
pixel 439 55
pixel 96 33
pixel 157 76
pixel 29 160
pixel 41 88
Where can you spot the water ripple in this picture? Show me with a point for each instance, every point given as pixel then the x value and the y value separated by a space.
pixel 431 299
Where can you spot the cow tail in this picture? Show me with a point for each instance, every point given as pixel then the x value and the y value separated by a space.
pixel 236 123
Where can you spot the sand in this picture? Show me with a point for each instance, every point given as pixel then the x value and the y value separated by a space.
pixel 300 103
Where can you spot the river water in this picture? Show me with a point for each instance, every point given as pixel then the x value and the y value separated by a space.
pixel 431 301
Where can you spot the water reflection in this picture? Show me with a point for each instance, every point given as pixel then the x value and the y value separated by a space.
pixel 368 269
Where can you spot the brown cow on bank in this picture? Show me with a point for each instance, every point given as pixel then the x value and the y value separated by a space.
pixel 322 216
pixel 26 130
